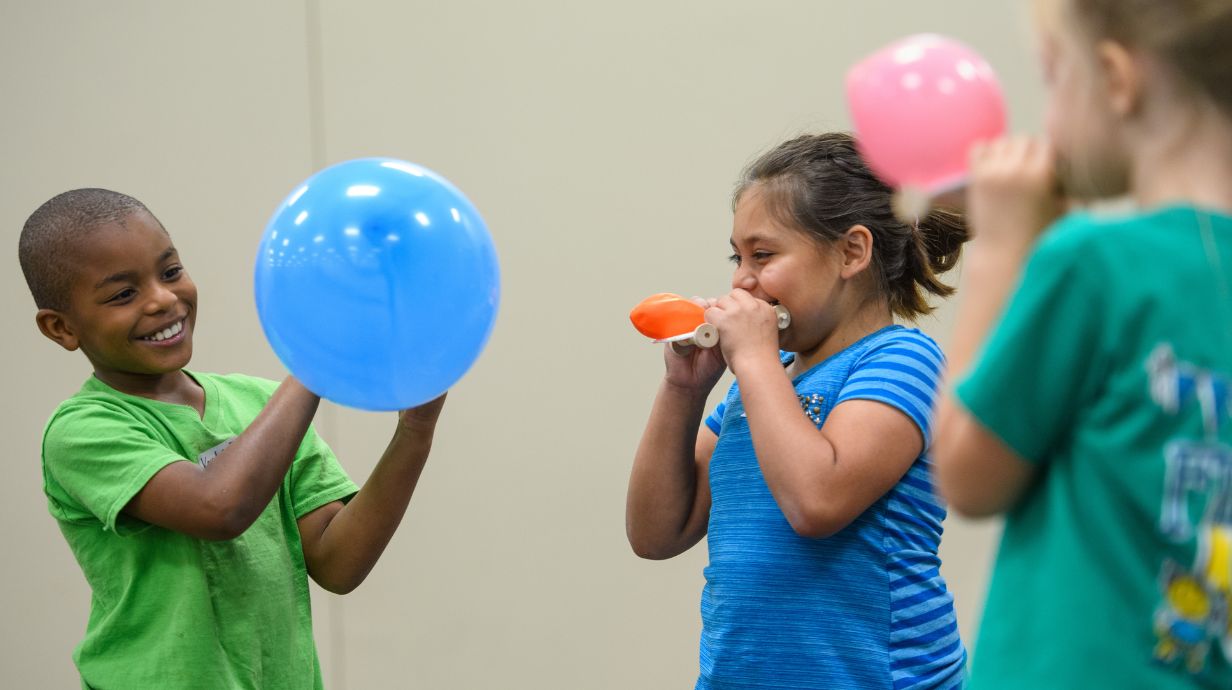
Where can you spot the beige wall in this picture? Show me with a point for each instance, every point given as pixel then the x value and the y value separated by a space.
pixel 600 140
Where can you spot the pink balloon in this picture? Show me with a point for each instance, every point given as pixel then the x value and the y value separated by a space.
pixel 918 105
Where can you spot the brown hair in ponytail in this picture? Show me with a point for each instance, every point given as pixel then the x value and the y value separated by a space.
pixel 819 184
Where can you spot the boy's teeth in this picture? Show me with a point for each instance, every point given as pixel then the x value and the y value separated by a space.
pixel 166 332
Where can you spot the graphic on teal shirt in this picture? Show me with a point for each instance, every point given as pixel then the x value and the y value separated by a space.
pixel 1194 612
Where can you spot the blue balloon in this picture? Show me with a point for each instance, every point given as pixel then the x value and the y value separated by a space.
pixel 377 284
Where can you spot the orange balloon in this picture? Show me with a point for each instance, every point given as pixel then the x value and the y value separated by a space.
pixel 666 315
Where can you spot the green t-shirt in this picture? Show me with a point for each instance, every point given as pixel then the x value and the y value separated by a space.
pixel 169 610
pixel 1110 371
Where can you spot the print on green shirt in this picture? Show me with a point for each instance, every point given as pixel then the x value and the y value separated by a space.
pixel 1193 612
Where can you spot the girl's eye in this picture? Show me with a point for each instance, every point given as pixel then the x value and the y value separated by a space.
pixel 173 272
pixel 756 256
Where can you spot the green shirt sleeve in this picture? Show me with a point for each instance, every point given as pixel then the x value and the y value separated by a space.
pixel 1041 363
pixel 96 457
pixel 316 478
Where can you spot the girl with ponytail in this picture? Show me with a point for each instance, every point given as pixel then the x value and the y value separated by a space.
pixel 812 479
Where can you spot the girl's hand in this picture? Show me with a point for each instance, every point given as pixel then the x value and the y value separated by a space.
pixel 1014 193
pixel 694 368
pixel 748 328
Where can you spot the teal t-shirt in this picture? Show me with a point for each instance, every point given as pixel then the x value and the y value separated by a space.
pixel 1111 371
pixel 169 610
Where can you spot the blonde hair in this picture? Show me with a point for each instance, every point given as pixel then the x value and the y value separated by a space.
pixel 1193 37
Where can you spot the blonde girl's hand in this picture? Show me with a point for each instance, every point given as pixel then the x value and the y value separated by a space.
pixel 748 328
pixel 1013 193
pixel 693 368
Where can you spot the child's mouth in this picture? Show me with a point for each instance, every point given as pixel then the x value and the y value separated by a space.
pixel 168 333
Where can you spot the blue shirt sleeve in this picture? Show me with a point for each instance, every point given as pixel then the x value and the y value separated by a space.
pixel 901 371
pixel 715 421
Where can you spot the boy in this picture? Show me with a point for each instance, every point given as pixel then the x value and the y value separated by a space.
pixel 196 504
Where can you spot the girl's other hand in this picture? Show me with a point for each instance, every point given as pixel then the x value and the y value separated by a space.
pixel 691 367
pixel 1014 192
pixel 747 327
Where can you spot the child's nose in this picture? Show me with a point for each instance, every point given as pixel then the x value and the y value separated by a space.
pixel 161 299
pixel 744 279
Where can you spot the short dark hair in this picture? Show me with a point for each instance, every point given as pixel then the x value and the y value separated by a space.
pixel 50 233
pixel 819 184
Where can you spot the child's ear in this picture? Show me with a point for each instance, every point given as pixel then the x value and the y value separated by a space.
pixel 856 246
pixel 56 326
pixel 1122 77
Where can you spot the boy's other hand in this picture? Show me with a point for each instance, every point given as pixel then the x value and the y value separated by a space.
pixel 423 416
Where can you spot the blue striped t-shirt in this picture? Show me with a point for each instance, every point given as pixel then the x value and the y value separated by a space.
pixel 864 608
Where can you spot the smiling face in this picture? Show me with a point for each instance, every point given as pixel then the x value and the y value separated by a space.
pixel 131 308
pixel 782 265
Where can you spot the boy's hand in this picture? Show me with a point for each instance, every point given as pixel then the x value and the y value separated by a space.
pixel 691 367
pixel 1014 192
pixel 223 500
pixel 424 416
